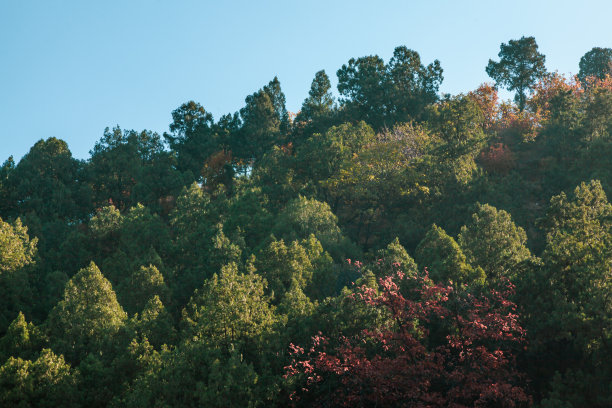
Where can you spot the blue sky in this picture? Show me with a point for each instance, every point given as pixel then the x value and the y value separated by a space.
pixel 71 68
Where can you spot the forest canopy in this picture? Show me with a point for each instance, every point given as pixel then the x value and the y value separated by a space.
pixel 384 246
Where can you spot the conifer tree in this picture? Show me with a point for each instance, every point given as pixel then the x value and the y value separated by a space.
pixel 87 317
pixel 443 258
pixel 492 241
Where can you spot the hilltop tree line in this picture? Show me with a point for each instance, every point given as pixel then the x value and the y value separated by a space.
pixel 389 247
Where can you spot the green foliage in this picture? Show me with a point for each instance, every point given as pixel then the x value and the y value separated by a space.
pixel 493 242
pixel 155 323
pixel 257 199
pixel 303 217
pixel 302 263
pixel 107 221
pixel 595 63
pixel 443 258
pixel 16 248
pixel 45 382
pixel 578 389
pixel 143 284
pixel 458 123
pixel 193 137
pixel 520 66
pixel 17 254
pixel 264 119
pixel 87 317
pixel 385 94
pixel 122 243
pixel 231 310
pixel 97 384
pixel 318 108
pixel 199 247
pixel 46 183
pixel 195 376
pixel 578 252
pixel 323 155
pixel 295 303
pixel 394 257
pixel 128 167
pixel 22 339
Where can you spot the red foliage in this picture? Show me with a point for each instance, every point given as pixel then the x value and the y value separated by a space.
pixel 441 349
pixel 498 158
pixel 217 170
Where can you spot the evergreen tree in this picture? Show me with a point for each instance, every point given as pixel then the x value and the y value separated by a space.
pixel 17 255
pixel 231 310
pixel 142 285
pixel 318 107
pixel 87 317
pixel 595 63
pixel 47 381
pixel 443 258
pixel 493 242
pixel 193 137
pixel 22 339
pixel 519 67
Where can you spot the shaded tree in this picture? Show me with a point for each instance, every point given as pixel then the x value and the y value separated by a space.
pixel 22 339
pixel 520 66
pixel 595 63
pixel 319 105
pixel 383 94
pixel 264 123
pixel 193 137
pixel 142 285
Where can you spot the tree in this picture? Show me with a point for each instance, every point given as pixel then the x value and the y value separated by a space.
pixel 123 243
pixel 17 255
pixel 492 241
pixel 442 256
pixel 22 339
pixel 283 265
pixel 230 310
pixel 303 217
pixel 264 121
pixel 16 248
pixel 578 254
pixel 458 124
pixel 362 85
pixel 320 102
pixel 87 317
pixel 595 63
pixel 127 167
pixel 138 288
pixel 200 247
pixel 194 375
pixel 324 155
pixel 412 85
pixel 519 67
pixel 394 257
pixel 193 137
pixel 46 382
pixel 439 348
pixel 382 94
pixel 47 183
pixel 568 314
pixel 154 323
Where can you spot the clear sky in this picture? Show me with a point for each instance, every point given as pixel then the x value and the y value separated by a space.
pixel 71 68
